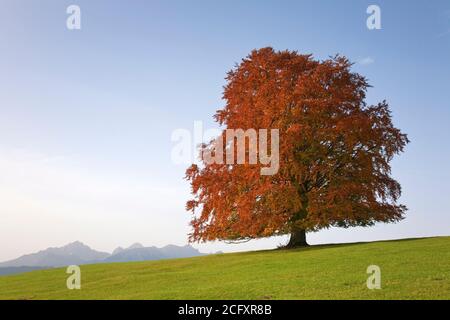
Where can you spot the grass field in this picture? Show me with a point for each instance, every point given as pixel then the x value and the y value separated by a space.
pixel 410 269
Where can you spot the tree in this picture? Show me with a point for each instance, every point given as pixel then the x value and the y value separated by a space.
pixel 334 153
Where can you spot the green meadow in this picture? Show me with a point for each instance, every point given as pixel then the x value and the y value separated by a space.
pixel 410 269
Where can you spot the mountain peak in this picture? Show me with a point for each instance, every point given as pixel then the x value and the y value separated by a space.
pixel 136 245
pixel 75 244
pixel 117 250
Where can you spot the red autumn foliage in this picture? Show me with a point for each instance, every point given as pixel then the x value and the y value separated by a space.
pixel 334 151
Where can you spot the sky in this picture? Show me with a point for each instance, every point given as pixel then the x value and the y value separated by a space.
pixel 86 116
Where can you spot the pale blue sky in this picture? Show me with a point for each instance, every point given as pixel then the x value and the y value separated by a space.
pixel 86 116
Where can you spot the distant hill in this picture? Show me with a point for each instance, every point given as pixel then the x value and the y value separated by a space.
pixel 73 253
pixel 77 253
pixel 137 252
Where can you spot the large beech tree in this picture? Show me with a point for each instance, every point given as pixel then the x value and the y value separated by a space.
pixel 334 152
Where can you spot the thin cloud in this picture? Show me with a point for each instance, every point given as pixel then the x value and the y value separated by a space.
pixel 366 61
pixel 443 34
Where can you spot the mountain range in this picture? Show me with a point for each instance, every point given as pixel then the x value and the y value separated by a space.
pixel 77 253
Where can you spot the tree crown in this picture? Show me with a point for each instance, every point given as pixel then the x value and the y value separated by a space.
pixel 334 152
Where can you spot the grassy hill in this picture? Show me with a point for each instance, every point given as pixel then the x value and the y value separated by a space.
pixel 410 269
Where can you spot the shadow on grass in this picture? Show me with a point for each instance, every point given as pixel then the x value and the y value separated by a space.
pixel 349 244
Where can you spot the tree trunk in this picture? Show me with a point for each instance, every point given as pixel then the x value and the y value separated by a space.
pixel 298 239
